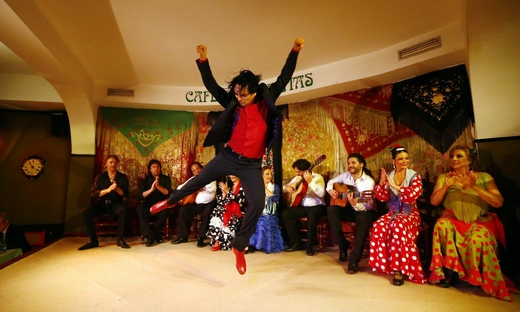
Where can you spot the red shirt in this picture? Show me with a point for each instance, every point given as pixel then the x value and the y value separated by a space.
pixel 249 130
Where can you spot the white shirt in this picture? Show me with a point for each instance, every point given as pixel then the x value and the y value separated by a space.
pixel 315 191
pixel 365 183
pixel 206 194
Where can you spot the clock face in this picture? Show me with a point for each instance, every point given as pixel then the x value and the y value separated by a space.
pixel 33 167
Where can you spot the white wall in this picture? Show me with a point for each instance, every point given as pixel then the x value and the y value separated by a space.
pixel 494 66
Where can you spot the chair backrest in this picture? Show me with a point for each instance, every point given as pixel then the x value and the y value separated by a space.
pixel 35 238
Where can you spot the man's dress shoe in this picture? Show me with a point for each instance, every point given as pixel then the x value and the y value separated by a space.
pixel 158 238
pixel 240 261
pixel 121 243
pixel 179 240
pixel 310 252
pixel 294 248
pixel 353 268
pixel 89 245
pixel 343 249
pixel 200 242
pixel 150 241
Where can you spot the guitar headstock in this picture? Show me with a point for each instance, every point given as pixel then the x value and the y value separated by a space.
pixel 319 160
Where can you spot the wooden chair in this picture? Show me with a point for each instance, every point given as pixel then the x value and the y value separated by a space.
pixel 322 232
pixel 165 231
pixel 349 229
pixel 195 228
pixel 106 225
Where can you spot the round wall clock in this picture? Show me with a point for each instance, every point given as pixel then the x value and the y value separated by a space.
pixel 33 167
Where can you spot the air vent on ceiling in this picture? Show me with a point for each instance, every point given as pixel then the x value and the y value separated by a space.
pixel 120 92
pixel 420 48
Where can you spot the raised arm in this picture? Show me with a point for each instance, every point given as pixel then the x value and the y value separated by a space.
pixel 285 76
pixel 220 94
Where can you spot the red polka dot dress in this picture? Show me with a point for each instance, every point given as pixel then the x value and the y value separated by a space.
pixel 394 235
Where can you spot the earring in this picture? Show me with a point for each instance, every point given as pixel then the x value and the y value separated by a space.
pixel 393 165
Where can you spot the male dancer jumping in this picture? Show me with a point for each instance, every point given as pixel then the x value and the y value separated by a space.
pixel 247 126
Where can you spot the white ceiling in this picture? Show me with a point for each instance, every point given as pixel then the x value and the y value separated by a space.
pixel 81 47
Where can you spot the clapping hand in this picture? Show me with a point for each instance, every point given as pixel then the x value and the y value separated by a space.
pixel 112 187
pixel 451 178
pixel 468 181
pixel 155 183
pixel 223 187
pixel 383 177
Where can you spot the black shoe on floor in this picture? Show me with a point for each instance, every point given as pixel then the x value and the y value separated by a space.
pixel 158 238
pixel 294 247
pixel 353 267
pixel 121 243
pixel 343 249
pixel 92 244
pixel 150 241
pixel 398 279
pixel 310 252
pixel 179 240
pixel 200 242
pixel 450 279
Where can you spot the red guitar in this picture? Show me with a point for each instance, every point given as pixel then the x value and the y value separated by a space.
pixel 344 190
pixel 300 186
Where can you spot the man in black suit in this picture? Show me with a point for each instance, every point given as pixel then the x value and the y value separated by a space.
pixel 152 189
pixel 13 235
pixel 249 124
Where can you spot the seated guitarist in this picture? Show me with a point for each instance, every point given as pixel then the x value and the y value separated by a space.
pixel 204 203
pixel 311 205
pixel 351 207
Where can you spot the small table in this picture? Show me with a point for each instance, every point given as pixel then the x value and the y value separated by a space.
pixel 10 254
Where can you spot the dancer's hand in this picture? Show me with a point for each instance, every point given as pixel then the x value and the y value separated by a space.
pixel 298 44
pixel 202 50
pixel 383 176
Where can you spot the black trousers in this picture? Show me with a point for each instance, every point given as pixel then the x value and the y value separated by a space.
pixel 363 220
pixel 290 217
pixel 188 212
pixel 143 211
pixel 117 209
pixel 250 175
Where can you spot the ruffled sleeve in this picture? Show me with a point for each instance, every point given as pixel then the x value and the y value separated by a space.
pixel 410 193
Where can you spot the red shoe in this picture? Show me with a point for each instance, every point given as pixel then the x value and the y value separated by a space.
pixel 160 206
pixel 240 261
pixel 216 246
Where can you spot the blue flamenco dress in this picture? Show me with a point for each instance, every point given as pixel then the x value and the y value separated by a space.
pixel 268 236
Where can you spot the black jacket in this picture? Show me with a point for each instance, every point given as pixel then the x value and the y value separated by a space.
pixel 221 131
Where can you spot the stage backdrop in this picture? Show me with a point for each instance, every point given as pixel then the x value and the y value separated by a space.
pixel 336 126
pixel 355 122
pixel 138 135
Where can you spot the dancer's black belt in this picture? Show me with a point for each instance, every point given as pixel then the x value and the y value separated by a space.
pixel 241 157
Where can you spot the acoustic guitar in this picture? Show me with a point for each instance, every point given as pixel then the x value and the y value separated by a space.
pixel 344 190
pixel 190 199
pixel 300 186
pixel 163 204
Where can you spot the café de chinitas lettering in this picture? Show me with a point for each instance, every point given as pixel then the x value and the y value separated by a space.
pixel 297 82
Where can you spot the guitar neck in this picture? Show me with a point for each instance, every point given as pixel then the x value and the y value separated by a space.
pixel 345 194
